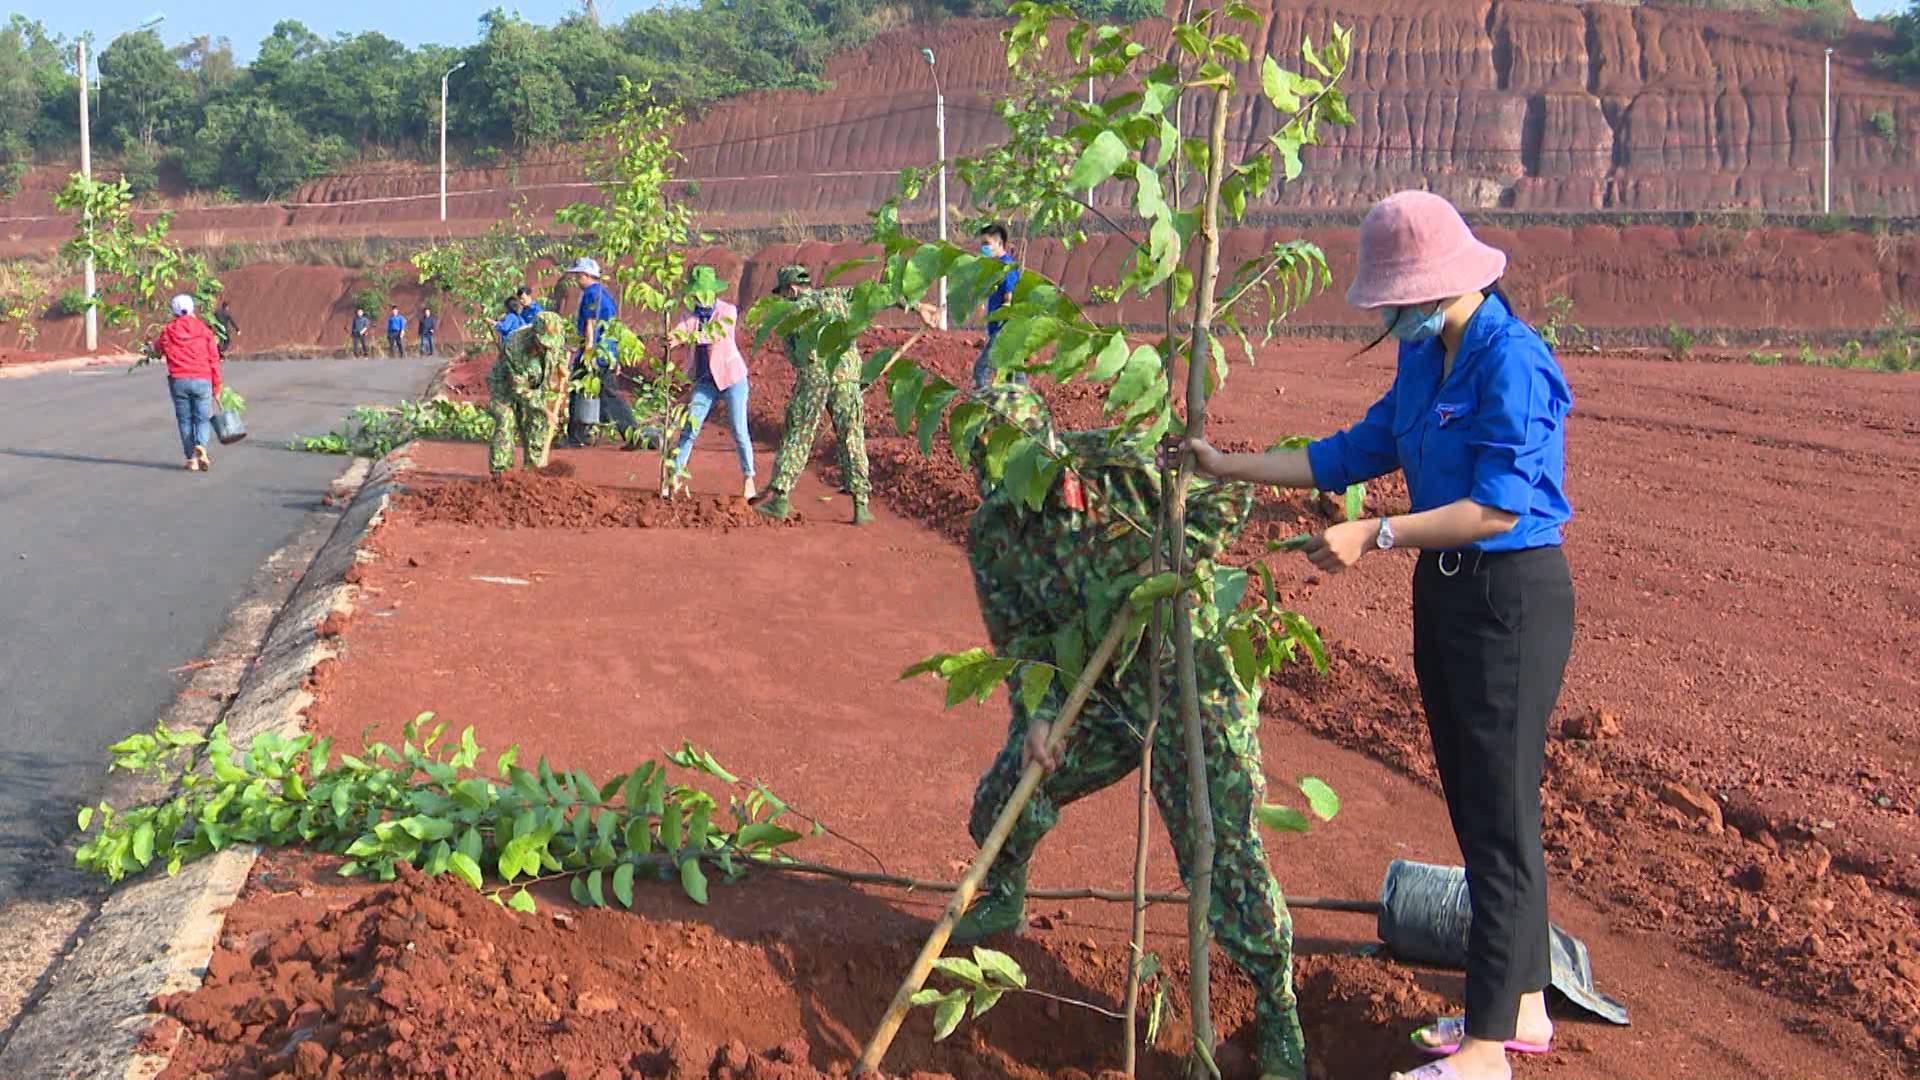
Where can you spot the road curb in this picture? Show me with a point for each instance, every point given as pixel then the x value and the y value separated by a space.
pixel 155 936
pixel 41 367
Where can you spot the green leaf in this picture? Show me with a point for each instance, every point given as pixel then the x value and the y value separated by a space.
pixel 1147 197
pixel 948 1014
pixel 1158 587
pixel 465 868
pixel 694 881
pixel 764 833
pixel 1136 379
pixel 1356 501
pixel 577 888
pixel 143 844
pixel 964 970
pixel 1246 665
pixel 639 835
pixel 927 996
pixel 623 884
pixel 1302 631
pixel 985 999
pixel 1278 86
pixel 1112 358
pixel 426 828
pixel 86 817
pixel 521 902
pixel 1229 587
pixel 1034 682
pixel 1320 798
pixel 1000 966
pixel 597 888
pixel 670 828
pixel 1282 818
pixel 1097 162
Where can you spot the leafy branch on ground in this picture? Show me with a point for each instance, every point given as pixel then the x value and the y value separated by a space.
pixel 374 431
pixel 426 804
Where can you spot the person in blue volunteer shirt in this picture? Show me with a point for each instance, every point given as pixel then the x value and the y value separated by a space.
pixel 993 244
pixel 1476 419
pixel 528 306
pixel 396 331
pixel 597 308
pixel 511 319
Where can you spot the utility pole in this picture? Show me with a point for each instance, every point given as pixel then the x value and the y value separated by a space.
pixel 443 137
pixel 1826 145
pixel 940 129
pixel 86 170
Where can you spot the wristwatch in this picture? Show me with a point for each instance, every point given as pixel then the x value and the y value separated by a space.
pixel 1384 538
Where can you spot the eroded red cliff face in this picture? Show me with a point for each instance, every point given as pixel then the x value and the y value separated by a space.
pixel 1522 104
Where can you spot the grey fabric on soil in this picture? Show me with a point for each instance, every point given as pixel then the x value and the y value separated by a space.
pixel 1424 916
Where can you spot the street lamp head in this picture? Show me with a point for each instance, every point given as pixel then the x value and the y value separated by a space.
pixel 927 55
pixel 456 67
pixel 153 20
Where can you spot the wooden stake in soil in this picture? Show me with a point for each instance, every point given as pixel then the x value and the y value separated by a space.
pixel 896 1013
pixel 1199 799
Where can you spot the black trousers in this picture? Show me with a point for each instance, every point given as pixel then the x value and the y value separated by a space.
pixel 1491 635
pixel 396 345
pixel 613 408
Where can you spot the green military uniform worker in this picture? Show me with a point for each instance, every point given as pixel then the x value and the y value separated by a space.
pixel 1034 573
pixel 521 389
pixel 833 384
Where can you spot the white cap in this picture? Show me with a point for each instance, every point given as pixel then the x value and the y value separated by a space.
pixel 584 265
pixel 183 304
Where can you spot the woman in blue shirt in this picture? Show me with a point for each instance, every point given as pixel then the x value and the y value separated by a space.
pixel 1475 419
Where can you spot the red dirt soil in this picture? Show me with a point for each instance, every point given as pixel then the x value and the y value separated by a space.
pixel 1733 817
pixel 549 500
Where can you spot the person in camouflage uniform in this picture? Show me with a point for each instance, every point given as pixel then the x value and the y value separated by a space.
pixel 831 384
pixel 1034 573
pixel 524 390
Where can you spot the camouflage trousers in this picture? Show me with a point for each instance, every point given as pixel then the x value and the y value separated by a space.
pixel 837 390
pixel 517 419
pixel 1248 914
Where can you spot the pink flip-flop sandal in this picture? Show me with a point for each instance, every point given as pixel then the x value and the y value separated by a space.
pixel 1444 1036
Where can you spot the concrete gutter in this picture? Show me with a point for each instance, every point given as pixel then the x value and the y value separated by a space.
pixel 155 936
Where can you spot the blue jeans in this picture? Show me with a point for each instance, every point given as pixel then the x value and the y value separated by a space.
pixel 983 369
pixel 705 393
pixel 193 411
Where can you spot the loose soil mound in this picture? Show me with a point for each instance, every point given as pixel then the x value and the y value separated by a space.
pixel 426 978
pixel 522 500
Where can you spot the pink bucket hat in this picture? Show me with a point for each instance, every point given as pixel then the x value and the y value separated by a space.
pixel 1414 248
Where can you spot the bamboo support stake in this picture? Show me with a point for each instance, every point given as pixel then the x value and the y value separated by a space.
pixel 896 1013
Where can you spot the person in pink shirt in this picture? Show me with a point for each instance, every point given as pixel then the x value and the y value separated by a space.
pixel 718 371
pixel 192 354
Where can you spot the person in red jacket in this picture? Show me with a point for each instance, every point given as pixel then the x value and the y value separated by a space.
pixel 193 378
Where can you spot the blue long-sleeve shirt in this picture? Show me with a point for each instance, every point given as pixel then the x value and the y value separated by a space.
pixel 396 323
pixel 1001 295
pixel 1492 431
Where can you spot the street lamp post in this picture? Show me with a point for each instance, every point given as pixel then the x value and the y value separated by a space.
pixel 940 129
pixel 86 171
pixel 1826 144
pixel 443 137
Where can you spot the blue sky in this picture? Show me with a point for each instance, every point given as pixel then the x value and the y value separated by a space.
pixel 412 21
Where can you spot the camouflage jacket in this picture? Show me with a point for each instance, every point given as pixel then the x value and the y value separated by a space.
pixel 833 302
pixel 528 358
pixel 1036 572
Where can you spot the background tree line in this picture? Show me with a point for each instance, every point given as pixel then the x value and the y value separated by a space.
pixel 307 103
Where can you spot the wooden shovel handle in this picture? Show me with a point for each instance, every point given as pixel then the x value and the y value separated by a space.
pixel 963 894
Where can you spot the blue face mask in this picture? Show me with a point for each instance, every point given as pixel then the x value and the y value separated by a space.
pixel 703 312
pixel 1410 325
pixel 987 251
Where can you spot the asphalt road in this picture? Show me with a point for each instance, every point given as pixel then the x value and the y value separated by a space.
pixel 118 565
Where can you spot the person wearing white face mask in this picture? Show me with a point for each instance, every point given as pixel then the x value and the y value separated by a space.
pixel 1475 418
pixel 993 245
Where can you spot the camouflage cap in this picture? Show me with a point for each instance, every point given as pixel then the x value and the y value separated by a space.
pixel 545 336
pixel 792 274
